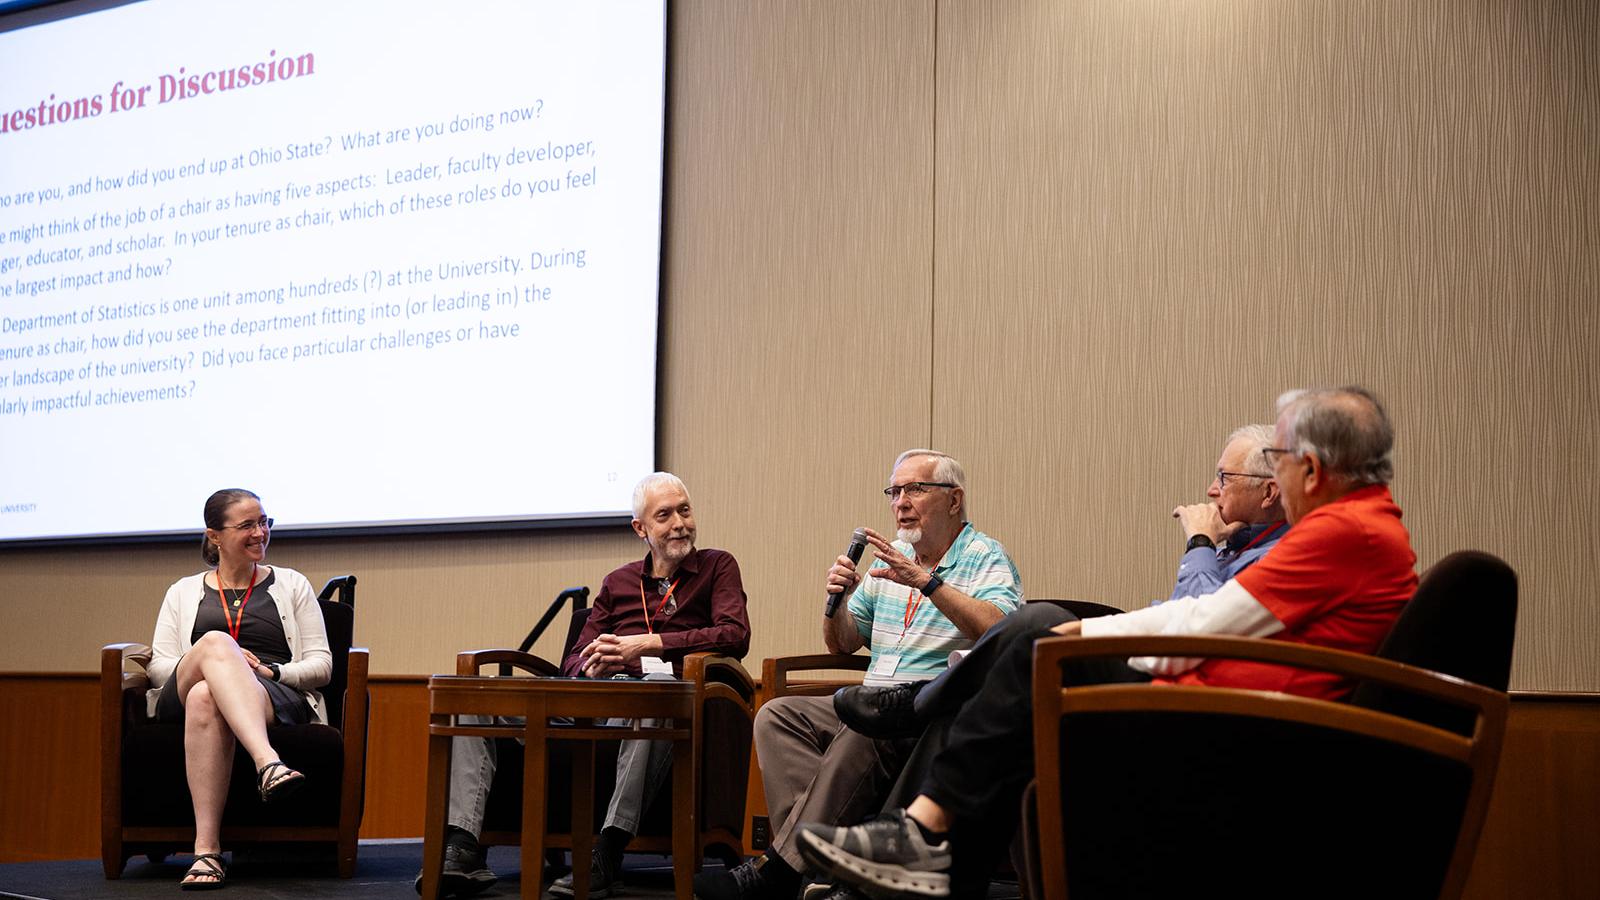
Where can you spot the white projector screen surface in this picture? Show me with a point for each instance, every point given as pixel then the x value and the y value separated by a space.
pixel 384 263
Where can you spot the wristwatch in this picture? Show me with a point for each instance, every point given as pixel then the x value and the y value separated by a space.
pixel 277 672
pixel 1200 540
pixel 934 583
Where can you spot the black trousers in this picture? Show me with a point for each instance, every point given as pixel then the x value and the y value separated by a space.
pixel 976 758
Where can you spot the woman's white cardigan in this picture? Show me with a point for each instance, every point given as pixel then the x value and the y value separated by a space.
pixel 310 664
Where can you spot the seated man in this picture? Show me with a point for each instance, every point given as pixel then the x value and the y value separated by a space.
pixel 1338 578
pixel 676 601
pixel 1242 521
pixel 935 590
pixel 1224 537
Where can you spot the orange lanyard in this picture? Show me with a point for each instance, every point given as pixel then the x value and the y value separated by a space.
pixel 671 586
pixel 222 594
pixel 912 602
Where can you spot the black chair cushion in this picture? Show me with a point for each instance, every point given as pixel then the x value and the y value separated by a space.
pixel 1157 803
pixel 155 787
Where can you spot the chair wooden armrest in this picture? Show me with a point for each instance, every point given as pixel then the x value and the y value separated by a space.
pixel 715 674
pixel 116 686
pixel 471 662
pixel 1051 652
pixel 776 680
pixel 114 659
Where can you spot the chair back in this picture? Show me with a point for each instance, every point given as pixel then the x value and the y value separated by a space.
pixel 1148 792
pixel 580 618
pixel 1462 622
pixel 339 618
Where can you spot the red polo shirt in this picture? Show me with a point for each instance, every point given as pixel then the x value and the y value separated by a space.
pixel 1338 579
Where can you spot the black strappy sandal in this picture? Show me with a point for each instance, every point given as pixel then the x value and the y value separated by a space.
pixel 206 865
pixel 275 785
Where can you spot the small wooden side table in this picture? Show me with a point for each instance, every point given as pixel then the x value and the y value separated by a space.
pixel 537 701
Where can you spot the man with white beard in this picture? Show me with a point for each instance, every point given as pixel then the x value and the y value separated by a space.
pixel 649 614
pixel 935 590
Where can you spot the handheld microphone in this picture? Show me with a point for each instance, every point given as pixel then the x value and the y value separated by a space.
pixel 858 545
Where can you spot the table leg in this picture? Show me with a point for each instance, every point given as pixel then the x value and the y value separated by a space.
pixel 438 806
pixel 533 804
pixel 582 816
pixel 685 824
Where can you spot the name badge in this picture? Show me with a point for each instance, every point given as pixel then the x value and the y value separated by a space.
pixel 885 664
pixel 655 665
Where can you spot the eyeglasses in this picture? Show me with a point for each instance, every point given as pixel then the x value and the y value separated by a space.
pixel 1223 476
pixel 264 523
pixel 1266 453
pixel 914 488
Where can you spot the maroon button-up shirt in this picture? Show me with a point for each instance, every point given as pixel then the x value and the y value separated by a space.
pixel 710 614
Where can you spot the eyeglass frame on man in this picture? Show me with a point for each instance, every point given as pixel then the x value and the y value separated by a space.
pixel 915 488
pixel 1266 454
pixel 264 523
pixel 1223 475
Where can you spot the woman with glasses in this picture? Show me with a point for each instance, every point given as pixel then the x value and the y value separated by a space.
pixel 237 647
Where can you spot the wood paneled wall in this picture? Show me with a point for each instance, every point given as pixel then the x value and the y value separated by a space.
pixel 1544 819
pixel 1074 243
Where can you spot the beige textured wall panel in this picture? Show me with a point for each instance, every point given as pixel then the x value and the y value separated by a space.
pixel 1152 217
pixel 797 291
pixel 794 360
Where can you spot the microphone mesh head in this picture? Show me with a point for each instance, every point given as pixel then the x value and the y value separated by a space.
pixel 860 536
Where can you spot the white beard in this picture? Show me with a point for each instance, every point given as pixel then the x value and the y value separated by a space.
pixel 912 536
pixel 677 551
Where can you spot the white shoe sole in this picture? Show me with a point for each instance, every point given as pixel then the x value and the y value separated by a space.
pixel 885 880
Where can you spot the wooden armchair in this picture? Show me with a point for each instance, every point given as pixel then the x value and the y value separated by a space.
pixel 145 805
pixel 777 678
pixel 724 710
pixel 1176 790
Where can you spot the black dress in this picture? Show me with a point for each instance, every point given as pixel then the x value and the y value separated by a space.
pixel 260 632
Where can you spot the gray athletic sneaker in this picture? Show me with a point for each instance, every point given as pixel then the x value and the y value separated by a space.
pixel 885 857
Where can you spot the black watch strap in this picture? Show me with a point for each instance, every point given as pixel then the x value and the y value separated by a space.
pixel 934 583
pixel 277 671
pixel 1200 540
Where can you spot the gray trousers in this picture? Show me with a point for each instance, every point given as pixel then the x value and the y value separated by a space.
pixel 815 769
pixel 642 768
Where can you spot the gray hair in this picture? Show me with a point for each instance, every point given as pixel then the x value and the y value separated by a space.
pixel 945 469
pixel 1259 436
pixel 1346 427
pixel 651 482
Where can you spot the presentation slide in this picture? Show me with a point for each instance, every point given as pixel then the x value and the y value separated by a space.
pixel 384 263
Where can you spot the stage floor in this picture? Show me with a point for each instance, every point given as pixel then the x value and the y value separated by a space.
pixel 384 871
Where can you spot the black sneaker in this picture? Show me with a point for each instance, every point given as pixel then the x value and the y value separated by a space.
pixel 604 880
pixel 882 713
pixel 466 869
pixel 762 878
pixel 885 857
